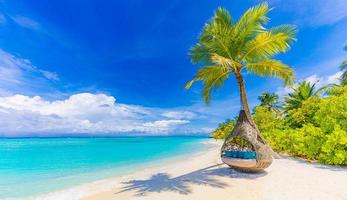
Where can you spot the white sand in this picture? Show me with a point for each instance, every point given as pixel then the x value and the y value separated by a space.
pixel 205 177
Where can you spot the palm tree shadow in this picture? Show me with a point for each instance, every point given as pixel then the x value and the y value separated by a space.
pixel 164 182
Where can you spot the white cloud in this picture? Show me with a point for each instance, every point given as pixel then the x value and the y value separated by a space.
pixel 162 126
pixel 179 114
pixel 26 22
pixel 321 80
pixel 80 113
pixel 315 13
pixel 50 75
pixel 101 114
pixel 18 74
pixel 333 79
pixel 86 112
pixel 283 91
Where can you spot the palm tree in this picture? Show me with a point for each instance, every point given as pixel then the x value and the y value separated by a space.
pixel 343 67
pixel 304 91
pixel 269 100
pixel 226 47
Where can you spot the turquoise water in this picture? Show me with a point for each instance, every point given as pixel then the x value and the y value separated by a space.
pixel 34 166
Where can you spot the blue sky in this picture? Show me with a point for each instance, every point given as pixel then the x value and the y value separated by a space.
pixel 119 67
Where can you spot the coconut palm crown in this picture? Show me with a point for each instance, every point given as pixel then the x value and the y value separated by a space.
pixel 228 47
pixel 269 100
pixel 302 92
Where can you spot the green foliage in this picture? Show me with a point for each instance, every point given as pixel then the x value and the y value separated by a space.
pixel 316 130
pixel 312 126
pixel 223 129
pixel 304 91
pixel 304 142
pixel 239 143
pixel 304 114
pixel 332 112
pixel 266 119
pixel 334 150
pixel 270 101
pixel 226 47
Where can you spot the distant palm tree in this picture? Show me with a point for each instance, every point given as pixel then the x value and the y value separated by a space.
pixel 226 47
pixel 269 100
pixel 343 67
pixel 302 92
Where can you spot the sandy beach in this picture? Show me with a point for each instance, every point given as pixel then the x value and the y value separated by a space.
pixel 205 177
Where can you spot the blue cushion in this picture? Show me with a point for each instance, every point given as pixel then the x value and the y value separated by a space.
pixel 241 154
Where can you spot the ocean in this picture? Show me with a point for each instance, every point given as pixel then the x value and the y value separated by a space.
pixel 36 166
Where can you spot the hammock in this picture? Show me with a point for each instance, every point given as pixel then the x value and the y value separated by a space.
pixel 244 149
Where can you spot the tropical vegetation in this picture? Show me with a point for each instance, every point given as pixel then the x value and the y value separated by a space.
pixel 227 47
pixel 315 130
pixel 309 122
pixel 305 90
pixel 223 129
pixel 270 101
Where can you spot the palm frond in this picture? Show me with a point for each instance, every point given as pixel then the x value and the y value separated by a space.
pixel 343 79
pixel 216 32
pixel 212 77
pixel 253 19
pixel 287 29
pixel 222 61
pixel 223 42
pixel 272 68
pixel 199 53
pixel 269 100
pixel 251 23
pixel 223 17
pixel 343 66
pixel 302 92
pixel 325 89
pixel 270 43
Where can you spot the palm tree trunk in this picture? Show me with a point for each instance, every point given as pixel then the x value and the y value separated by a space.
pixel 245 107
pixel 243 96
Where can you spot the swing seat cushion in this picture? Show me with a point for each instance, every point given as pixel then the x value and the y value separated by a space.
pixel 241 154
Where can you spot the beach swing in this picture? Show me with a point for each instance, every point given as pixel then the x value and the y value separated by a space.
pixel 244 149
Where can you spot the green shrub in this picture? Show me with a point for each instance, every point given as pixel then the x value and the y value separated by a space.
pixel 303 142
pixel 296 118
pixel 223 129
pixel 332 112
pixel 315 131
pixel 266 119
pixel 334 149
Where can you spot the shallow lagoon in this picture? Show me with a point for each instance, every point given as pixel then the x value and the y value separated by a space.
pixel 32 166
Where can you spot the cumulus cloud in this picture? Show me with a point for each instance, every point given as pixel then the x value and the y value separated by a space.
pixel 80 113
pixel 27 114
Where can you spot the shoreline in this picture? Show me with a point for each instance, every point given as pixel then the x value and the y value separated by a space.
pixel 90 188
pixel 203 176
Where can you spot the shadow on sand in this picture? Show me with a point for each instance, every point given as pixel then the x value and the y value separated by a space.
pixel 164 182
